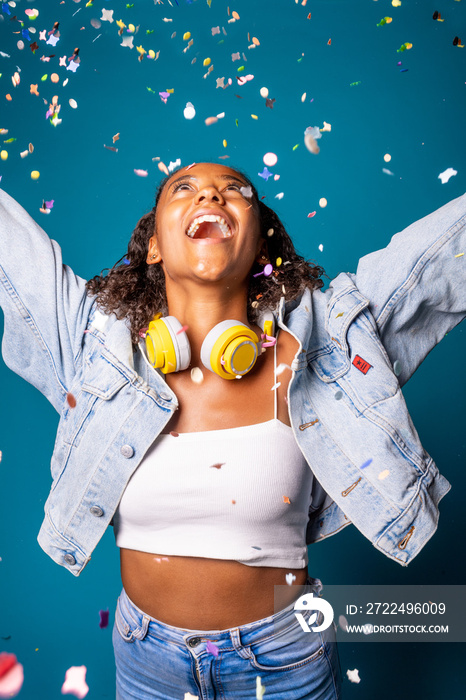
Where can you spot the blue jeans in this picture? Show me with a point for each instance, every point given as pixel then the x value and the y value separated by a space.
pixel 155 660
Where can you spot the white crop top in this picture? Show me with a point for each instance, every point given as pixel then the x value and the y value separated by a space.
pixel 240 494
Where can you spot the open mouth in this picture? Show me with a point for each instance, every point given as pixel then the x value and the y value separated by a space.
pixel 209 226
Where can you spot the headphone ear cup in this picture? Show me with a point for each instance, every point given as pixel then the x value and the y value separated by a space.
pixel 231 348
pixel 168 345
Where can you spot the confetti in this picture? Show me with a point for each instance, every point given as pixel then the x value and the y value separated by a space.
pixel 322 202
pixel 4 155
pixel 35 175
pixel 264 92
pixel 447 174
pixel 310 135
pixel 265 174
pixel 75 682
pixel 366 464
pixel 189 112
pixel 217 466
pixel 353 675
pixel 174 434
pixel 11 675
pixel 290 578
pixel 459 255
pixel 286 500
pixel 188 696
pixel 196 375
pixel 211 648
pixel 141 173
pixel 387 172
pixel 103 623
pixel 383 475
pixel 270 232
pixel 270 159
pixel 387 157
pixel 260 689
pixel 71 400
pixel 311 214
pixel 161 166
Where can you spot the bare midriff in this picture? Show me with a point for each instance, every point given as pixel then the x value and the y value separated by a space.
pixel 212 594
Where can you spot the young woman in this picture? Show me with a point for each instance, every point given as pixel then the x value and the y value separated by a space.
pixel 220 439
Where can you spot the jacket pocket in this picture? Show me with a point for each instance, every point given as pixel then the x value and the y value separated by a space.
pixel 100 381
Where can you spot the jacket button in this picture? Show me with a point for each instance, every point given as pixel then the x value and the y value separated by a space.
pixel 97 511
pixel 69 559
pixel 127 451
pixel 194 641
pixel 164 395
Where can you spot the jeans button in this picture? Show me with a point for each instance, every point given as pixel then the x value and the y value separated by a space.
pixel 69 559
pixel 97 511
pixel 127 451
pixel 194 641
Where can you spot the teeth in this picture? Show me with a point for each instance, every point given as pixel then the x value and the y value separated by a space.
pixel 212 218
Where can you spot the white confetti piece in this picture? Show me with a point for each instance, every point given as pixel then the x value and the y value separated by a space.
pixel 270 159
pixel 281 368
pixel 260 689
pixel 353 675
pixel 280 195
pixel 290 578
pixel 189 112
pixel 383 475
pixel 447 174
pixel 75 682
pixel 321 247
pixel 387 171
pixel 196 375
pixel 275 386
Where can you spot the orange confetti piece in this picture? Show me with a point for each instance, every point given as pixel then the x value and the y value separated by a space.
pixel 174 434
pixel 34 90
pixel 255 41
pixel 329 42
pixel 233 502
pixel 71 400
pixel 8 97
pixel 235 15
pixel 116 137
pixel 286 500
pixel 217 466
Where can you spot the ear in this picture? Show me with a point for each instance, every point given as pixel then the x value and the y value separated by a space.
pixel 262 256
pixel 153 255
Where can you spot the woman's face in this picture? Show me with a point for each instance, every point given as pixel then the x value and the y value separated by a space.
pixel 207 228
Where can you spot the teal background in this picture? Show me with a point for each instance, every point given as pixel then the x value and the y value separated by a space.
pixel 50 619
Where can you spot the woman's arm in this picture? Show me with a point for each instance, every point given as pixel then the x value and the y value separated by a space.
pixel 417 285
pixel 45 304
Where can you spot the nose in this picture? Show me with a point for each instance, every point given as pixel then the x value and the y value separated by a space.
pixel 209 193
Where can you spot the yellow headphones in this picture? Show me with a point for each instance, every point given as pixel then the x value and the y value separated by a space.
pixel 231 348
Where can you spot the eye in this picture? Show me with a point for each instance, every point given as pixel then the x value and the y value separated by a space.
pixel 234 186
pixel 180 186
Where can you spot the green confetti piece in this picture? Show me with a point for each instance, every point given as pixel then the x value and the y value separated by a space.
pixel 295 147
pixel 9 140
pixel 300 59
pixel 44 77
pixel 358 82
pixel 150 31
pixel 236 121
pixel 150 90
pixel 241 68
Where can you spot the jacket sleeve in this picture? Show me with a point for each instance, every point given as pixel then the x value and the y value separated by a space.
pixel 45 305
pixel 417 285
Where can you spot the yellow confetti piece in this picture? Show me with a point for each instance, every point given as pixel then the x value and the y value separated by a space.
pixel 170 90
pixel 340 314
pixel 140 50
pixel 396 3
pixel 151 53
pixel 186 36
pixel 224 143
pixel 131 28
pixel 254 116
pixel 206 62
pixel 278 262
pixel 35 175
pixel 459 255
pixel 383 475
pixel 120 24
pixel 4 155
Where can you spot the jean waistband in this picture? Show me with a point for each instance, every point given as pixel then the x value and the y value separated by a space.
pixel 179 635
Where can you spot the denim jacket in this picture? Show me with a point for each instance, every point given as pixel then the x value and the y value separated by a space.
pixel 345 402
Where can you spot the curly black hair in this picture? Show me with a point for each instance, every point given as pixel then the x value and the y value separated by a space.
pixel 134 290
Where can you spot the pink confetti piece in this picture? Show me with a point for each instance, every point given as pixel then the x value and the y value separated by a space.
pixel 183 329
pixel 311 214
pixel 141 173
pixel 75 682
pixel 12 679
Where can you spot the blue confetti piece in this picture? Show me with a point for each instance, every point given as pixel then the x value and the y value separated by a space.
pixel 265 174
pixel 366 464
pixel 5 8
pixel 126 261
pixel 404 70
pixel 25 34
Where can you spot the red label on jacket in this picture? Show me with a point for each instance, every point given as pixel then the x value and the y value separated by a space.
pixel 361 364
